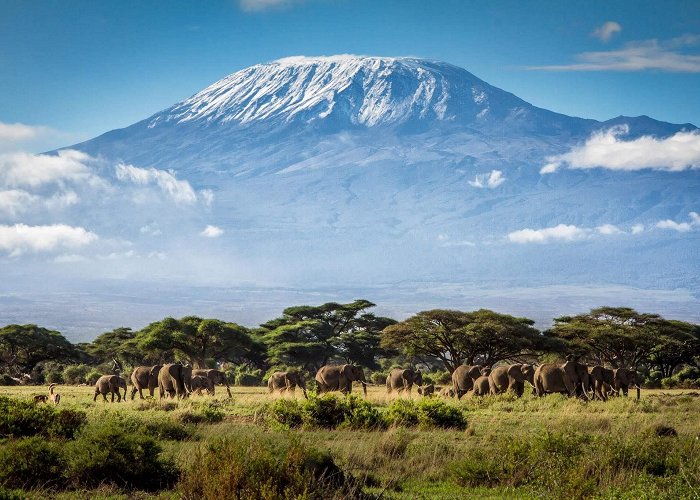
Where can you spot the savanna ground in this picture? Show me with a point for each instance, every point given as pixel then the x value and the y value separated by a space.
pixel 551 447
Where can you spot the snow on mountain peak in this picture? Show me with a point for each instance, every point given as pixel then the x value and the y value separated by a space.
pixel 358 90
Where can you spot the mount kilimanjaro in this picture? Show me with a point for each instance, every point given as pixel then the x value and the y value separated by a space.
pixel 373 173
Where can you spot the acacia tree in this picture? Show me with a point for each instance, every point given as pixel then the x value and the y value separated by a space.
pixel 311 336
pixel 200 341
pixel 119 344
pixel 23 346
pixel 454 337
pixel 619 336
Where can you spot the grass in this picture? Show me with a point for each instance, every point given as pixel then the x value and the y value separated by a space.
pixel 510 448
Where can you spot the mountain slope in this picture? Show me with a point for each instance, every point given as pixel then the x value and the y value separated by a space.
pixel 384 161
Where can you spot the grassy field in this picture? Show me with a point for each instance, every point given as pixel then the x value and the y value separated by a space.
pixel 511 448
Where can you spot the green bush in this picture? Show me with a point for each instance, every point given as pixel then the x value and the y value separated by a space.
pixel 75 374
pixel 53 377
pixel 327 411
pixel 403 412
pixel 263 467
pixel 378 378
pixel 30 463
pixel 249 379
pixel 5 379
pixel 110 452
pixel 363 415
pixel 24 418
pixel 437 413
pixel 287 412
pixel 92 376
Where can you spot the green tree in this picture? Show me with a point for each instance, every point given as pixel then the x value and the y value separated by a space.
pixel 312 336
pixel 119 344
pixel 618 336
pixel 454 337
pixel 22 347
pixel 202 341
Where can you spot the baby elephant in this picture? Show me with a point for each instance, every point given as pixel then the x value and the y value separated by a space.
pixel 106 384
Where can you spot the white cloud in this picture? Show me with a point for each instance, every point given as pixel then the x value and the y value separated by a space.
pixel 637 228
pixel 151 229
pixel 561 232
pixel 207 196
pixel 17 201
pixel 180 191
pixel 605 149
pixel 24 169
pixel 605 31
pixel 212 232
pixel 659 55
pixel 491 180
pixel 20 238
pixel 16 132
pixel 608 229
pixel 681 227
pixel 260 5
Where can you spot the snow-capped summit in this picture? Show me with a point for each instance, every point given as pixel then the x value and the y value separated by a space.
pixel 358 90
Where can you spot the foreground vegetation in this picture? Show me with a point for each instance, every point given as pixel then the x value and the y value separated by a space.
pixel 260 446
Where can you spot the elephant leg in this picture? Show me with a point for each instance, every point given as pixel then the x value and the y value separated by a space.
pixel 95 397
pixel 104 396
pixel 134 390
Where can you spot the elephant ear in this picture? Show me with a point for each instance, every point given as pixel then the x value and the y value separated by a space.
pixel 348 371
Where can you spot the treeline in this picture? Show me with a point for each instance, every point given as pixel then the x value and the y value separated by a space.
pixel 665 352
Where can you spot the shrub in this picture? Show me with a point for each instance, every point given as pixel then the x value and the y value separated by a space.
pixel 24 418
pixel 261 467
pixel 166 429
pixel 327 411
pixel 5 379
pixel 53 377
pixel 403 412
pixel 378 378
pixel 437 413
pixel 75 374
pixel 29 463
pixel 92 376
pixel 249 379
pixel 286 412
pixel 363 415
pixel 109 452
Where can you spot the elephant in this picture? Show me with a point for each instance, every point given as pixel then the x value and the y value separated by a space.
pixel 511 377
pixel 106 384
pixel 599 377
pixel 565 379
pixel 174 379
pixel 122 385
pixel 339 378
pixel 528 373
pixel 200 382
pixel 624 378
pixel 426 390
pixel 463 379
pixel 400 380
pixel 144 377
pixel 286 381
pixel 216 377
pixel 482 385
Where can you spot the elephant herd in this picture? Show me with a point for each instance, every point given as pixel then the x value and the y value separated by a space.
pixel 173 379
pixel 571 378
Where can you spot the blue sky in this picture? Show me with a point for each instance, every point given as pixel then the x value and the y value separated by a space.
pixel 81 68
